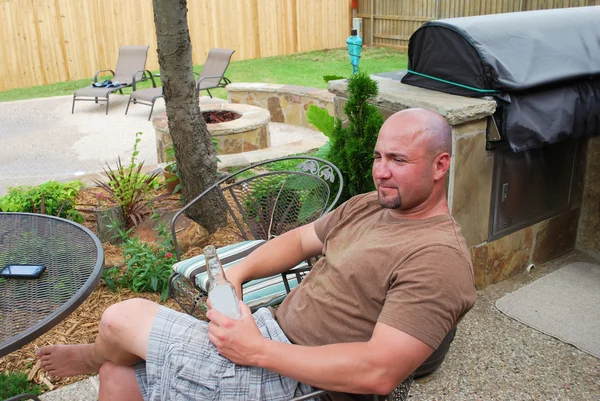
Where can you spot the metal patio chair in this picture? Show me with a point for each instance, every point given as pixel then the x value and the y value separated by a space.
pixel 212 76
pixel 262 201
pixel 130 65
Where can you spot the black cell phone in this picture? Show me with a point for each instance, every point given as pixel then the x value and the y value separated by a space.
pixel 22 271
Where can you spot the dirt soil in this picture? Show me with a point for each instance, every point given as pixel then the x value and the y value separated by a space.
pixel 81 327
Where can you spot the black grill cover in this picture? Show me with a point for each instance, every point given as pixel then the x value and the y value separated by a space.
pixel 543 68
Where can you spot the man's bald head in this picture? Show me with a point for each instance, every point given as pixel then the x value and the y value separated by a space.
pixel 411 162
pixel 427 126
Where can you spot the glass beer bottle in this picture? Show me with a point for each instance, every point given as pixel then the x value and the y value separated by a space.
pixel 221 292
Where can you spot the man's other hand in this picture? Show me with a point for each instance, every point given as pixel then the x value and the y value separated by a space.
pixel 240 341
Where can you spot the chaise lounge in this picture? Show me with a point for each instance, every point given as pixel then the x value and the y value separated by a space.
pixel 130 65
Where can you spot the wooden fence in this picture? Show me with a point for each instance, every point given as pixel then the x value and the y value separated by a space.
pixel 394 21
pixel 47 41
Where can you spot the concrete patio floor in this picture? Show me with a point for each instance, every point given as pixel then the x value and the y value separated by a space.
pixel 493 357
pixel 497 358
pixel 41 140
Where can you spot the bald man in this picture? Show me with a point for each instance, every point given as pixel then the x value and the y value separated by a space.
pixel 394 278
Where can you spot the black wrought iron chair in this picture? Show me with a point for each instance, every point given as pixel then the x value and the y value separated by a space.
pixel 262 201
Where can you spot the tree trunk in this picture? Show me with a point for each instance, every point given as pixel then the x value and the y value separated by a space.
pixel 195 154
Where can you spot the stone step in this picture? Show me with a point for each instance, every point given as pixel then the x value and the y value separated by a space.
pixel 84 390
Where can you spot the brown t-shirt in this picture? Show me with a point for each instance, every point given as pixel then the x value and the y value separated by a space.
pixel 413 275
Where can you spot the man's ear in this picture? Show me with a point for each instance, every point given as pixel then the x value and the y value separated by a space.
pixel 441 166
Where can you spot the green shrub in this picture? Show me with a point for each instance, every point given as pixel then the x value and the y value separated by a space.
pixel 351 148
pixel 148 267
pixel 12 384
pixel 52 198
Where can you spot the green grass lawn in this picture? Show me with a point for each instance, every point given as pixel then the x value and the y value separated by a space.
pixel 304 69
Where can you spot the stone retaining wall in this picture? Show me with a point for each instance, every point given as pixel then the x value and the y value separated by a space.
pixel 286 103
pixel 588 235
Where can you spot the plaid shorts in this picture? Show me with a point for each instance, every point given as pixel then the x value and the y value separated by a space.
pixel 182 364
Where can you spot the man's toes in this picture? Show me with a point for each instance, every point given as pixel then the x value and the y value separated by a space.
pixel 42 352
pixel 47 350
pixel 46 364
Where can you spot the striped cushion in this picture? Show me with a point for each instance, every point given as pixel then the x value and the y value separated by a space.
pixel 257 293
pixel 229 255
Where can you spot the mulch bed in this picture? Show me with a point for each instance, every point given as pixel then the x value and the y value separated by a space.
pixel 81 327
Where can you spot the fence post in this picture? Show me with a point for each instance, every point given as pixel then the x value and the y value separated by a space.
pixel 372 20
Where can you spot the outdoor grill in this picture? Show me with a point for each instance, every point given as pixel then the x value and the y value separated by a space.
pixel 543 70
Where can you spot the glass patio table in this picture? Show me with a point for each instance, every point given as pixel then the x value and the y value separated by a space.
pixel 73 257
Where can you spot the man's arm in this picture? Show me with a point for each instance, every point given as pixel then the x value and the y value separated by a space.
pixel 277 255
pixel 376 366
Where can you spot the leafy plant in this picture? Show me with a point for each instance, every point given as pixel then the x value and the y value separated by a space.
pixel 148 267
pixel 129 188
pixel 52 198
pixel 12 384
pixel 323 151
pixel 320 119
pixel 171 168
pixel 352 147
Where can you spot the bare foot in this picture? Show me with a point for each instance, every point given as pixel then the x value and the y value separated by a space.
pixel 69 360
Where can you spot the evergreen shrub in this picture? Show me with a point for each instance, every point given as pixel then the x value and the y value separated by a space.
pixel 351 147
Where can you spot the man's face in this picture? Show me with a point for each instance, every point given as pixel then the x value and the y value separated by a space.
pixel 403 168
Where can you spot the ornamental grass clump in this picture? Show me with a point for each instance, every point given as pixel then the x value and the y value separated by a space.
pixel 129 188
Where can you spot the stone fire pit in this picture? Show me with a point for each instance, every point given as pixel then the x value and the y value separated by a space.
pixel 247 133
